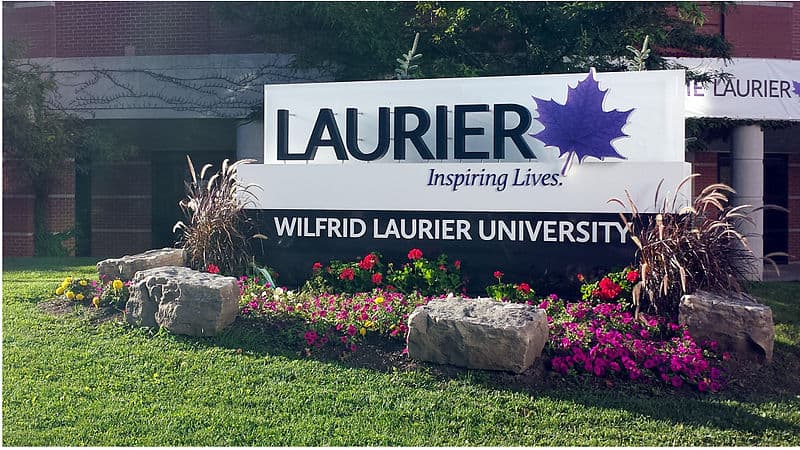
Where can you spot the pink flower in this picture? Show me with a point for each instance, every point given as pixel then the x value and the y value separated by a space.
pixel 317 266
pixel 498 274
pixel 347 274
pixel 525 288
pixel 414 254
pixel 351 330
pixel 377 278
pixel 212 268
pixel 677 381
pixel 544 304
pixel 457 264
pixel 310 336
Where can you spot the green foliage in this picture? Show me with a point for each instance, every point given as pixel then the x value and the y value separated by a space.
pixel 517 293
pixel 37 133
pixel 360 40
pixel 427 277
pixel 217 229
pixel 115 293
pixel 419 275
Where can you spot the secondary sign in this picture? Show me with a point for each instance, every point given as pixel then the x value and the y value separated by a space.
pixel 767 89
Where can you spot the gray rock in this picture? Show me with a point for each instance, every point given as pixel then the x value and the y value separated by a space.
pixel 477 333
pixel 182 300
pixel 126 267
pixel 738 322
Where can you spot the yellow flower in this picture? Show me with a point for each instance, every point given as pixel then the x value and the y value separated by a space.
pixel 117 284
pixel 79 297
pixel 70 295
pixel 363 331
pixel 60 290
pixel 368 324
pixel 83 282
pixel 379 300
pixel 68 280
pixel 96 301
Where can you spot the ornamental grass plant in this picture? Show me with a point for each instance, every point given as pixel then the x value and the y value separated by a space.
pixel 699 247
pixel 216 228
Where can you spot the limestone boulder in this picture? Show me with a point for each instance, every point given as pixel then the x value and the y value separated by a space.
pixel 477 333
pixel 738 322
pixel 182 300
pixel 126 267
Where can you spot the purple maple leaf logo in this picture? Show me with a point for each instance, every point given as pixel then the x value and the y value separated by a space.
pixel 580 127
pixel 796 88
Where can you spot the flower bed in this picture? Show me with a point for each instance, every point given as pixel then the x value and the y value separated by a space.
pixel 607 342
pixel 344 303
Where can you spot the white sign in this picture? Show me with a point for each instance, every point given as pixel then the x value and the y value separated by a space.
pixel 767 89
pixel 559 143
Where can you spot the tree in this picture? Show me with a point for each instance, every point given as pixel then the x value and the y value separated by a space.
pixel 39 134
pixel 361 40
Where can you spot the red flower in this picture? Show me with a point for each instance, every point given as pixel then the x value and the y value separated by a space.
pixel 368 262
pixel 525 288
pixel 580 277
pixel 316 266
pixel 414 254
pixel 498 274
pixel 632 276
pixel 608 289
pixel 457 264
pixel 347 274
pixel 212 268
pixel 377 278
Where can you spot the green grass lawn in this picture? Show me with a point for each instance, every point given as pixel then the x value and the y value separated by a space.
pixel 67 381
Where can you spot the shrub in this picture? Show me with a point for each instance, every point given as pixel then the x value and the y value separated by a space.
pixel 517 293
pixel 697 247
pixel 418 275
pixel 607 342
pixel 426 277
pixel 216 228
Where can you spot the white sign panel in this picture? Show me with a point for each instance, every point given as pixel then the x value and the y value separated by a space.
pixel 766 89
pixel 528 143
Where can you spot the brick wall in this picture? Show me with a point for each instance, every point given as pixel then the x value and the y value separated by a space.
pixel 794 207
pixel 121 208
pixel 18 210
pixel 796 30
pixel 71 29
pixel 19 207
pixel 59 203
pixel 33 25
pixel 704 163
pixel 763 31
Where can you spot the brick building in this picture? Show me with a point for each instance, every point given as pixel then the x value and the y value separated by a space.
pixel 175 79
